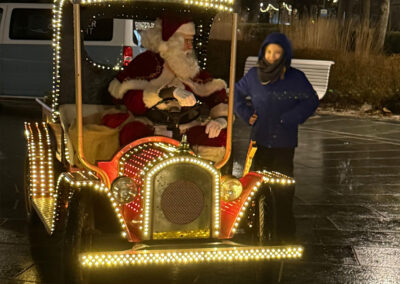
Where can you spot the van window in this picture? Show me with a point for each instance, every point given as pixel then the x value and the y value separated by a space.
pixel 31 24
pixel 1 13
pixel 138 27
pixel 99 30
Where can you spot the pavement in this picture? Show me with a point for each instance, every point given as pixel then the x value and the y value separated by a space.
pixel 346 204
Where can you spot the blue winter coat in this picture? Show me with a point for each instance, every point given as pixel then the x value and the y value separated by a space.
pixel 281 106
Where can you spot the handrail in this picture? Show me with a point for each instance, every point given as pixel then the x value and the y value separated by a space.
pixel 228 150
pixel 78 97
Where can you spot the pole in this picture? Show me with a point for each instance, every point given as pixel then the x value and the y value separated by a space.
pixel 78 96
pixel 228 150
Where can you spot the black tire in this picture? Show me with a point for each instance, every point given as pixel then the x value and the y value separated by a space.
pixel 90 226
pixel 27 185
pixel 267 221
pixel 261 222
pixel 261 230
pixel 79 237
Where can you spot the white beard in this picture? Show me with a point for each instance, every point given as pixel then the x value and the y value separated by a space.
pixel 183 63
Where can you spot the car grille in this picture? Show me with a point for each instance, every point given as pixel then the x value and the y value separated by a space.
pixel 182 202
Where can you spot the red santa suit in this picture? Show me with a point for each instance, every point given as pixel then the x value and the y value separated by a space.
pixel 140 83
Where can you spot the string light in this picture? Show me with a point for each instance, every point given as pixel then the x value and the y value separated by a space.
pixel 272 7
pixel 266 178
pixel 152 158
pixel 141 163
pixel 45 195
pixel 268 8
pixel 40 159
pixel 175 160
pixel 182 256
pixel 57 26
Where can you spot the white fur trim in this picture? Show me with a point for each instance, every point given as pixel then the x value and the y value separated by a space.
pixel 206 89
pixel 114 87
pixel 187 29
pixel 151 97
pixel 118 90
pixel 219 110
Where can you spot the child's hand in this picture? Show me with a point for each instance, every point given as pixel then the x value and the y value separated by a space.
pixel 253 119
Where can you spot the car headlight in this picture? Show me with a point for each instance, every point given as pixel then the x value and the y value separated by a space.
pixel 124 189
pixel 231 188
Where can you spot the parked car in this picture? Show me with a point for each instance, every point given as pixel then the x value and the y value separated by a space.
pixel 154 202
pixel 26 54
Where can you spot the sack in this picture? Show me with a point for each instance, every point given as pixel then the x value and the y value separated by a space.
pixel 99 142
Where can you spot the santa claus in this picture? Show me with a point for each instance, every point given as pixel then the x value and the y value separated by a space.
pixel 169 70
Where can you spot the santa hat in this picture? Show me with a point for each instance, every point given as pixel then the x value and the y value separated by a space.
pixel 171 25
pixel 165 29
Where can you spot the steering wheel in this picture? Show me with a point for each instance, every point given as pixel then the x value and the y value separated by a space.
pixel 173 116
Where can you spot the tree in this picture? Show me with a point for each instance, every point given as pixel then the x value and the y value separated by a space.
pixel 382 24
pixel 254 7
pixel 341 9
pixel 365 13
pixel 345 10
pixel 303 6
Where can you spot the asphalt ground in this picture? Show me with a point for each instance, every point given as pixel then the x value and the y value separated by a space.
pixel 346 206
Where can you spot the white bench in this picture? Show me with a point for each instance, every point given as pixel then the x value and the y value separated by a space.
pixel 317 71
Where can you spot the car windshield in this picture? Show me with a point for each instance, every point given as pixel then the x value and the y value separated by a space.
pixel 113 42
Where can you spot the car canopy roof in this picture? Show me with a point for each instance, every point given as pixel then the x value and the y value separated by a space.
pixel 202 13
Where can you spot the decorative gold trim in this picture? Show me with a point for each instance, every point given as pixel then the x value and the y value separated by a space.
pixel 193 234
pixel 148 191
pixel 249 157
pixel 46 207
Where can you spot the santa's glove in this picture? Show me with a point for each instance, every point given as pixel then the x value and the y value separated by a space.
pixel 215 126
pixel 184 98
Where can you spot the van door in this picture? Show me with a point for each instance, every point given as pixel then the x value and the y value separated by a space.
pixel 26 51
pixel 2 13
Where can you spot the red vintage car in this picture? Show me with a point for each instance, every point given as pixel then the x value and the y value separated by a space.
pixel 159 202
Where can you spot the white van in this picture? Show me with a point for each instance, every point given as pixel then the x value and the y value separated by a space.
pixel 26 51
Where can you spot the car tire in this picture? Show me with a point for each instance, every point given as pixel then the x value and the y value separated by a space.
pixel 27 185
pixel 261 222
pixel 262 230
pixel 79 236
